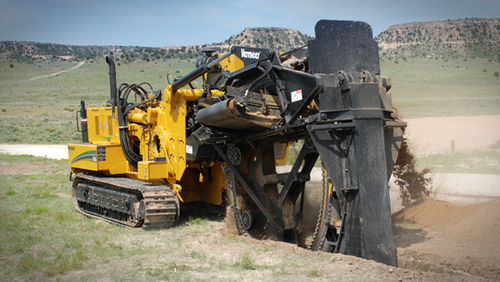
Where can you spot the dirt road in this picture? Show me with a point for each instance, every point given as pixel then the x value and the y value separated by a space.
pixel 57 152
pixel 59 72
pixel 426 135
pixel 436 135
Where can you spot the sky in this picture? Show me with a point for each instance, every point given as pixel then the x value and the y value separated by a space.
pixel 157 23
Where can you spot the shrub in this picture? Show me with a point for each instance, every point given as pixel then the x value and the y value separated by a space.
pixel 245 262
pixel 313 273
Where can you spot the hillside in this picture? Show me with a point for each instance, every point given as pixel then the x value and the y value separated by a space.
pixel 452 38
pixel 469 37
pixel 278 38
pixel 35 51
pixel 282 39
pixel 48 50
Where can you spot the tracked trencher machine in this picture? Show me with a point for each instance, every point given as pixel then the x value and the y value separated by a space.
pixel 146 152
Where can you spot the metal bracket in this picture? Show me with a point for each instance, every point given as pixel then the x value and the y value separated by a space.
pixel 247 188
pixel 394 124
pixel 342 146
pixel 293 175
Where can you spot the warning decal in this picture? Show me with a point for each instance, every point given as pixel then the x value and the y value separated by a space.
pixel 296 95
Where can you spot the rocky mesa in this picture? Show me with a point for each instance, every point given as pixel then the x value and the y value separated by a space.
pixel 470 37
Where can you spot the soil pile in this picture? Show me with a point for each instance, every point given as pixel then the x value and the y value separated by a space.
pixel 443 237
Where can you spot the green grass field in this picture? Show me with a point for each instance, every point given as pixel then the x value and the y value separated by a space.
pixel 42 110
pixel 433 88
pixel 43 237
pixel 479 162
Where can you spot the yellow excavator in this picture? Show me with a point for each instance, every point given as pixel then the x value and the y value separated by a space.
pixel 146 152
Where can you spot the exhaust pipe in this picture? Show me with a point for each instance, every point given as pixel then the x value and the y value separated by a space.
pixel 83 122
pixel 112 79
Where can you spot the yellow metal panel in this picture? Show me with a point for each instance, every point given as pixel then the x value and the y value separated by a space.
pixel 149 170
pixel 103 128
pixel 281 153
pixel 83 156
pixel 212 193
pixel 93 157
pixel 114 161
pixel 232 63
pixel 196 188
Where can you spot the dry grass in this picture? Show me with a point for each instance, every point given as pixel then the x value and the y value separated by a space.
pixel 43 238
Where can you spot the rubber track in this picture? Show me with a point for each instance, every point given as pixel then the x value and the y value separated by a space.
pixel 161 205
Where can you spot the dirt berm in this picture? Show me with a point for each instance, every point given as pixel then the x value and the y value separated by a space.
pixel 441 237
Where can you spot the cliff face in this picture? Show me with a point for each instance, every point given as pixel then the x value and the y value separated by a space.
pixel 474 37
